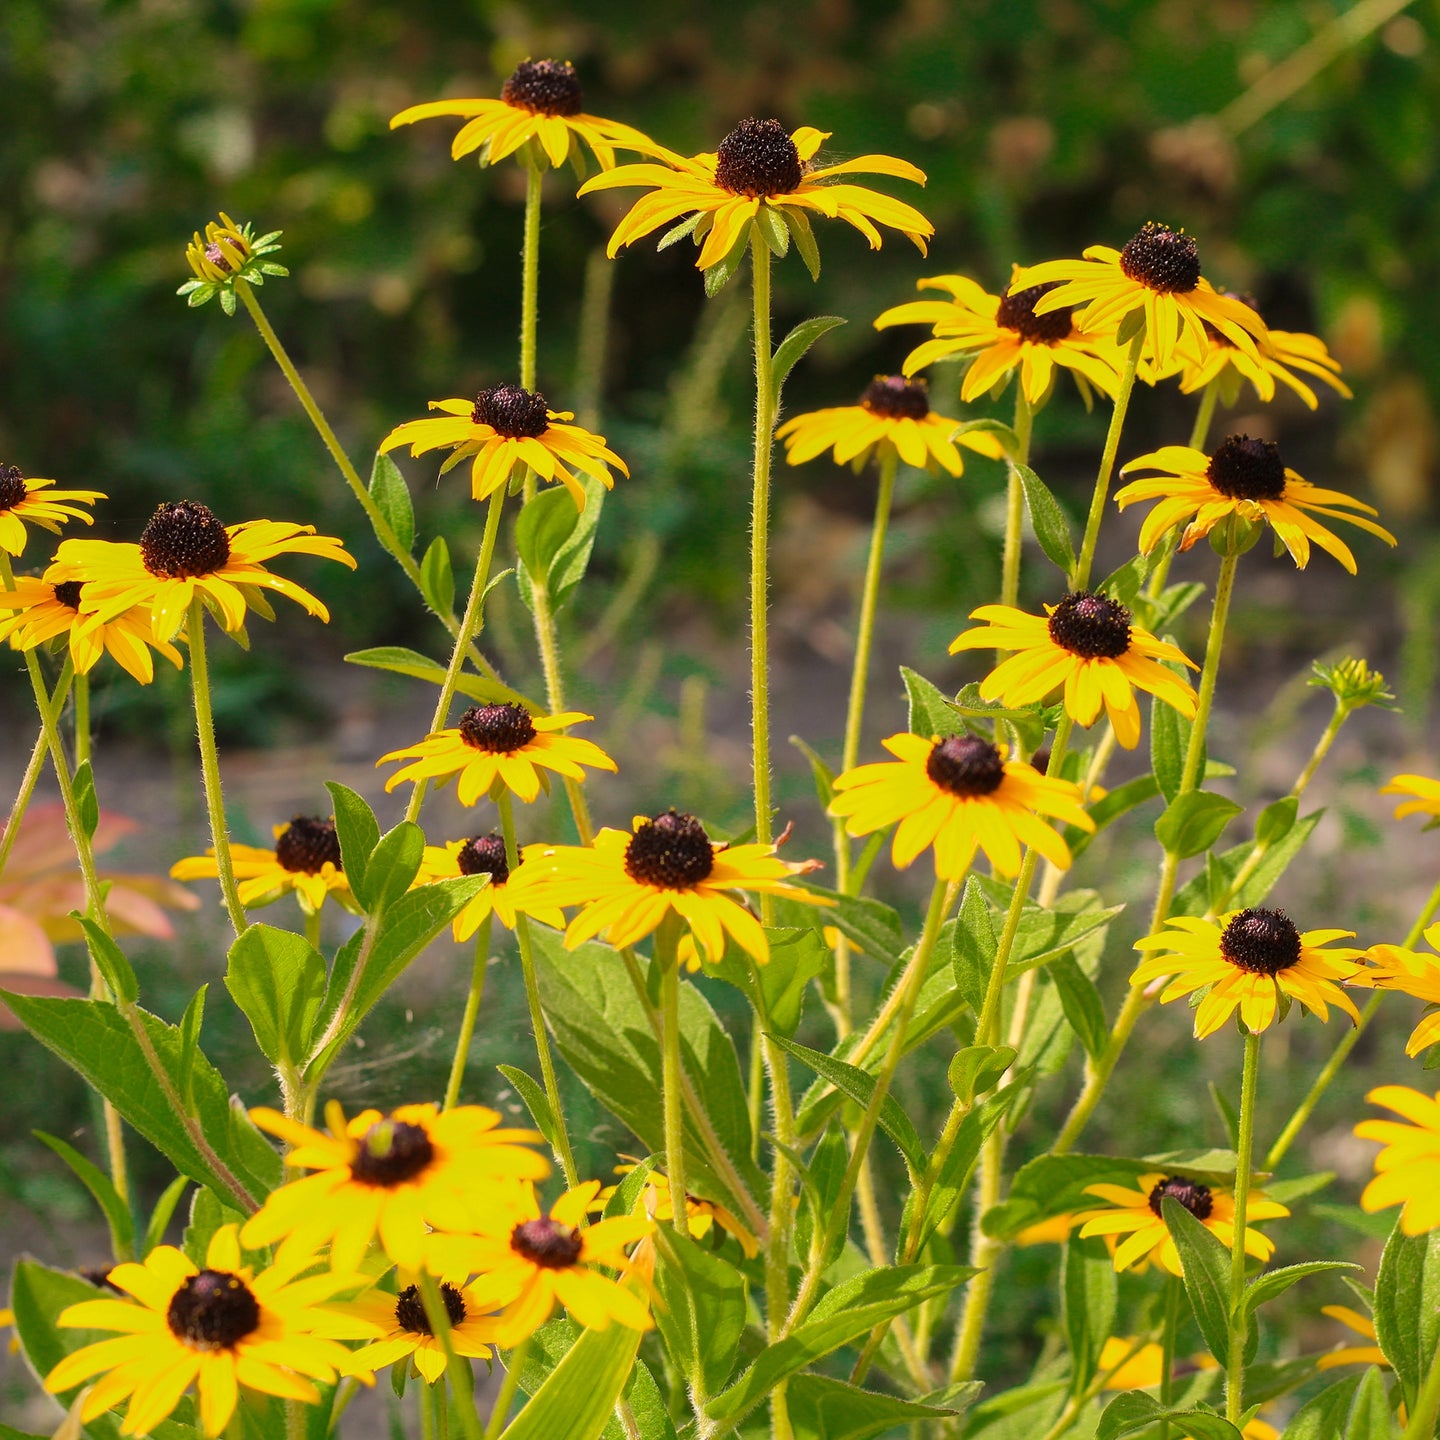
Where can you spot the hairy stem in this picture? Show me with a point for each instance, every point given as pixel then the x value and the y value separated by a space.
pixel 472 1009
pixel 1015 501
pixel 1244 1150
pixel 1101 492
pixel 760 551
pixel 667 941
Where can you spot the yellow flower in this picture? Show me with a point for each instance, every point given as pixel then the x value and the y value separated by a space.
pixel 185 551
pixel 21 503
pixel 758 166
pixel 216 1328
pixel 627 884
pixel 540 101
pixel 527 1260
pixel 482 855
pixel 1407 1170
pixel 1158 272
pixel 1002 333
pixel 1425 791
pixel 959 795
pixel 226 253
pixel 1087 644
pixel 306 859
pixel 1254 962
pixel 405 1332
pixel 506 426
pixel 1142 1369
pixel 1363 1326
pixel 1243 477
pixel 1136 1214
pixel 1412 972
pixel 43 611
pixel 893 414
pixel 501 742
pixel 387 1175
pixel 657 1201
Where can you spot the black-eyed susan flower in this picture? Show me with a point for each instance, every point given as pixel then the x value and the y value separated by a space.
pixel 1424 793
pixel 1364 1327
pixel 1253 962
pixel 23 502
pixel 218 1328
pixel 1411 972
pixel 758 165
pixel 628 883
pixel 1157 271
pixel 405 1332
pixel 503 743
pixel 541 101
pixel 306 860
pixel 506 426
pixel 387 1176
pixel 482 855
pixel 1087 645
pixel 1135 1212
pixel 1243 477
pixel 184 552
pixel 1407 1170
pixel 958 795
pixel 657 1200
pixel 41 611
pixel 894 413
pixel 228 252
pixel 1002 334
pixel 526 1261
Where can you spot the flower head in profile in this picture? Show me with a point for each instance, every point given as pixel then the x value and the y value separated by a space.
pixel 505 426
pixel 760 167
pixel 387 1176
pixel 186 552
pixel 482 855
pixel 1157 272
pixel 1424 793
pixel 1364 1327
pixel 1087 646
pixel 1137 1214
pixel 540 114
pixel 1407 1170
pixel 628 883
pixel 217 1329
pixel 1247 478
pixel 501 742
pixel 406 1334
pixel 228 252
pixel 1003 335
pixel 702 1217
pixel 305 860
pixel 1411 972
pixel 23 502
pixel 526 1261
pixel 958 795
pixel 1253 962
pixel 893 415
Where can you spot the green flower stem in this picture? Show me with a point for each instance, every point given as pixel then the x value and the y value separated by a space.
pixel 210 763
pixel 1174 1289
pixel 561 1142
pixel 1348 1041
pixel 984 1254
pixel 1244 1152
pixel 1107 463
pixel 667 942
pixel 28 781
pixel 82 720
pixel 1198 435
pixel 1421 1425
pixel 470 626
pixel 508 1387
pixel 759 552
pixel 548 640
pixel 457 1367
pixel 530 285
pixel 1015 501
pixel 472 1009
pixel 782 1181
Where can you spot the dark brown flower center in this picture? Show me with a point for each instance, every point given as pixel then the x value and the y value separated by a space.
pixel 1246 469
pixel 12 487
pixel 1016 312
pixel 67 592
pixel 497 729
pixel 410 1314
pixel 184 538
pixel 213 1310
pixel 1194 1196
pixel 390 1153
pixel 1162 259
pixel 544 87
pixel 512 412
pixel 966 765
pixel 546 1244
pixel 307 844
pixel 485 855
pixel 671 851
pixel 216 256
pixel 1092 626
pixel 758 157
pixel 1264 942
pixel 897 398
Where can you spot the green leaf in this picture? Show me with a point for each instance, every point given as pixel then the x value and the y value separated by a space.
pixel 627 1193
pixel 399 660
pixel 437 579
pixel 110 960
pixel 974 945
pixel 932 714
pixel 1407 1306
pixel 1048 520
pixel 1004 433
pixel 1275 820
pixel 720 274
pixel 163 1212
pixel 190 1023
pixel 277 978
pixel 871 924
pixel 358 832
pixel 1264 1288
pixel 647 1408
pixel 1130 326
pixel 822 1180
pixel 535 1100
pixel 392 499
pixel 850 1310
pixel 793 347
pixel 701 1314
pixel 87 807
pixel 1206 1263
pixel 1110 807
pixel 977 1068
pixel 823 775
pixel 1082 1004
pixel 798 223
pixel 1169 738
pixel 1193 822
pixel 1323 1417
pixel 573 559
pixel 544 525
pixel 823 1409
pixel 98 1183
pixel 1195 897
pixel 1370 1416
pixel 1088 1291
pixel 773 231
pixel 393 865
pixel 778 989
pixel 1134 1411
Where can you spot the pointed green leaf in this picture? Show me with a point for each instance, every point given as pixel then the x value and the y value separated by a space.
pixel 1206 1263
pixel 793 347
pixel 1088 1291
pixel 701 1314
pixel 358 831
pixel 1407 1306
pixel 1194 821
pixel 437 578
pixel 102 1189
pixel 392 499
pixel 277 978
pixel 536 1103
pixel 1048 520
